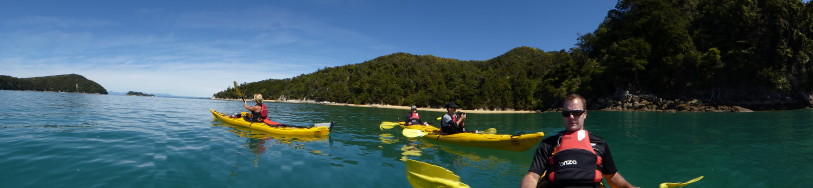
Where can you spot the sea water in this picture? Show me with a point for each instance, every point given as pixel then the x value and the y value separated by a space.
pixel 84 140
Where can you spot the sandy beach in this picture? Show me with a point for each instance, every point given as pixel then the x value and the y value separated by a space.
pixel 406 108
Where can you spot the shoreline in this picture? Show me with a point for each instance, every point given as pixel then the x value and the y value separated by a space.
pixel 625 102
pixel 475 111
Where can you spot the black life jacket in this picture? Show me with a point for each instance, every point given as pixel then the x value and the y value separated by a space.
pixel 574 162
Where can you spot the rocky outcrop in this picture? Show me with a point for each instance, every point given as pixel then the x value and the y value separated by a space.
pixel 624 101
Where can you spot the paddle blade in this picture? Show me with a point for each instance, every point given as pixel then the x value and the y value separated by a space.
pixel 237 89
pixel 490 131
pixel 412 133
pixel 326 124
pixel 387 125
pixel 439 118
pixel 672 185
pixel 421 174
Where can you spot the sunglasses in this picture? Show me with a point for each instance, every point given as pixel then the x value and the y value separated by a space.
pixel 575 113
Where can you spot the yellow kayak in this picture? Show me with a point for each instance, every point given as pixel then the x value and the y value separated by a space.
pixel 321 129
pixel 257 134
pixel 493 141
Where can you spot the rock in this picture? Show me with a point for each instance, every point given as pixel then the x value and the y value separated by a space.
pixel 741 109
pixel 695 102
pixel 682 107
pixel 628 105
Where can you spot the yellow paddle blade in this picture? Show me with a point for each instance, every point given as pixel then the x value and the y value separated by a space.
pixel 237 89
pixel 412 133
pixel 387 125
pixel 439 118
pixel 490 131
pixel 672 185
pixel 421 174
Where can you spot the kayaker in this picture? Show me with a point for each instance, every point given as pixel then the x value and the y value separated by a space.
pixel 573 158
pixel 259 112
pixel 412 118
pixel 452 122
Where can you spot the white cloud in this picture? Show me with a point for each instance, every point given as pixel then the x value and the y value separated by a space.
pixel 177 78
pixel 198 55
pixel 54 22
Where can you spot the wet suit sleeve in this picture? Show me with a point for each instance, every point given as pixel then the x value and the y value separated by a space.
pixel 541 156
pixel 608 165
pixel 447 125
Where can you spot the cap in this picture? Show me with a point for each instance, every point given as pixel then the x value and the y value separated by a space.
pixel 451 105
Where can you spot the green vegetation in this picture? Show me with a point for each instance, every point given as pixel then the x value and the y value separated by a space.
pixel 726 48
pixel 523 78
pixel 135 93
pixel 722 51
pixel 59 83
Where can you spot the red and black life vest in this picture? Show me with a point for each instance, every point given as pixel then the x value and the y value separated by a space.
pixel 414 116
pixel 257 117
pixel 264 112
pixel 574 162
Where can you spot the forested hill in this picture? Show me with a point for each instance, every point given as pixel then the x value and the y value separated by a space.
pixel 59 83
pixel 756 54
pixel 523 78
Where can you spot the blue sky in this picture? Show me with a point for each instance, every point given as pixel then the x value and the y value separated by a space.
pixel 197 48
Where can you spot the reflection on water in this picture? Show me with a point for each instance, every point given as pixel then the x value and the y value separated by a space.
pixel 410 149
pixel 387 138
pixel 257 142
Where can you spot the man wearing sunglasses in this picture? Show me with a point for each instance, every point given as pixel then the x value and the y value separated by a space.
pixel 573 158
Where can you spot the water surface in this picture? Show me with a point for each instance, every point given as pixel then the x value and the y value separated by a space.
pixel 84 140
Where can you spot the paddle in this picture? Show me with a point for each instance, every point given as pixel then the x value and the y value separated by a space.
pixel 421 174
pixel 387 125
pixel 671 185
pixel 237 89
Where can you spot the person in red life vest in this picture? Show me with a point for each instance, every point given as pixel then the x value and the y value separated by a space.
pixel 412 118
pixel 574 157
pixel 452 121
pixel 259 112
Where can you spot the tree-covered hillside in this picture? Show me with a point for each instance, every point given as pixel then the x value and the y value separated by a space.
pixel 726 52
pixel 523 78
pixel 59 83
pixel 721 49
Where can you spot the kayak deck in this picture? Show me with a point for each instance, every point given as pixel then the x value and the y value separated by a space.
pixel 494 141
pixel 424 128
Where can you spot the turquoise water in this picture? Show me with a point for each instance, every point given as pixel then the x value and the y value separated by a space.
pixel 82 140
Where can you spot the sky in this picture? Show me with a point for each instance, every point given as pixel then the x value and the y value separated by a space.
pixel 197 48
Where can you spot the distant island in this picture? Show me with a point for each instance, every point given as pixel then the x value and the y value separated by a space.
pixel 134 93
pixel 72 83
pixel 647 55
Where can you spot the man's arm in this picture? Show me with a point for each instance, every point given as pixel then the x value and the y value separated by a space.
pixel 460 120
pixel 616 180
pixel 250 108
pixel 530 180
